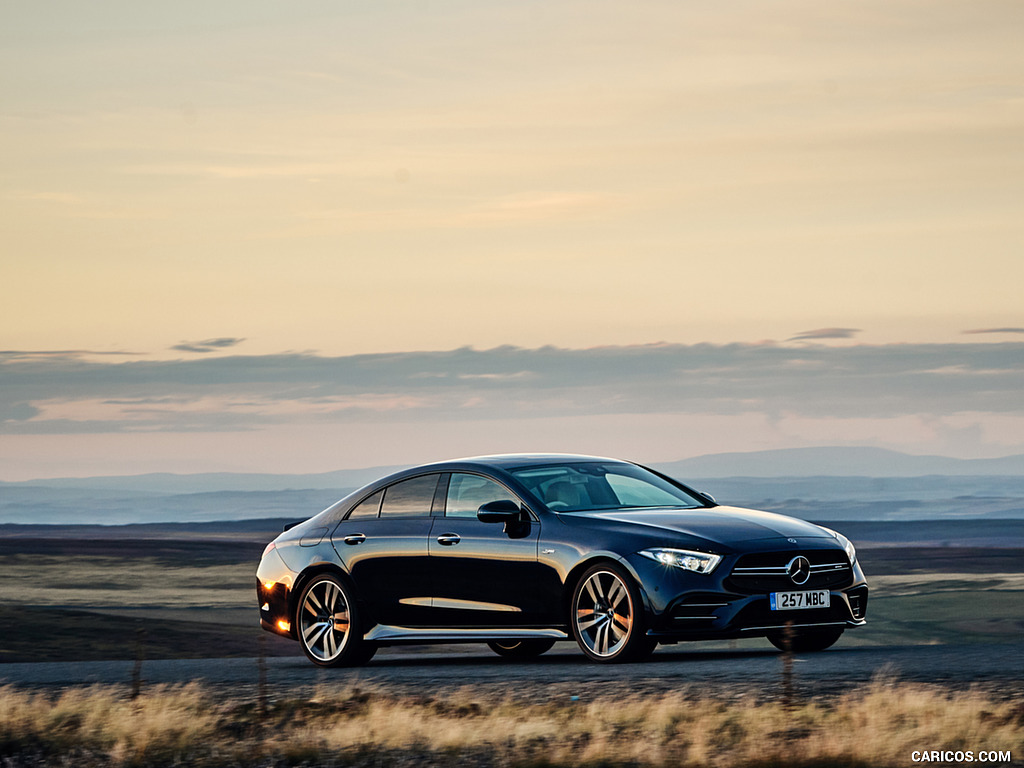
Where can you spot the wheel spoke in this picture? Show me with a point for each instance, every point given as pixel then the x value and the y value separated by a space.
pixel 311 598
pixel 330 596
pixel 330 644
pixel 588 623
pixel 313 633
pixel 590 588
pixel 616 631
pixel 622 622
pixel 616 593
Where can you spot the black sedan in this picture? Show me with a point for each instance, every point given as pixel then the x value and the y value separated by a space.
pixel 519 551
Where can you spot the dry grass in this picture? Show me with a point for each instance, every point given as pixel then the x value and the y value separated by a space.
pixel 102 725
pixel 878 725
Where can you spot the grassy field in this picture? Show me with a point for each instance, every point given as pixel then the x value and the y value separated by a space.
pixel 86 599
pixel 878 725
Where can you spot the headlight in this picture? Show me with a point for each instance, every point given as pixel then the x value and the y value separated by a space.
pixel 851 551
pixel 698 562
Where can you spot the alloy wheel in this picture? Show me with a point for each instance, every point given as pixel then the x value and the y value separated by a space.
pixel 603 614
pixel 324 620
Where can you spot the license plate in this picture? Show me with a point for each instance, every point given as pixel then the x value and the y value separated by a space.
pixel 796 601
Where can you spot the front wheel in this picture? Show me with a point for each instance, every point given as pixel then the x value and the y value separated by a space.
pixel 806 640
pixel 328 624
pixel 608 616
pixel 520 649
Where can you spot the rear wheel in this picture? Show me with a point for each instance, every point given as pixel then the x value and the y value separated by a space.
pixel 520 649
pixel 808 639
pixel 328 624
pixel 608 617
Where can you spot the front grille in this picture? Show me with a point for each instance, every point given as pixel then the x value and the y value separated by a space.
pixel 766 571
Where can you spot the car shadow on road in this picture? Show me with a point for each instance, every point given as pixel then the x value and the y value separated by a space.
pixel 556 659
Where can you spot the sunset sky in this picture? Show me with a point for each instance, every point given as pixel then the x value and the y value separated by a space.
pixel 268 236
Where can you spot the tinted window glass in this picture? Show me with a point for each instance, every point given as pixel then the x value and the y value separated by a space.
pixel 572 487
pixel 467 493
pixel 410 498
pixel 369 507
pixel 634 492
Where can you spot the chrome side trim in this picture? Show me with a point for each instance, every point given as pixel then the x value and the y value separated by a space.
pixel 384 632
pixel 465 605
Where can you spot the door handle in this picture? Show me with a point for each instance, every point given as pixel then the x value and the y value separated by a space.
pixel 355 538
pixel 448 539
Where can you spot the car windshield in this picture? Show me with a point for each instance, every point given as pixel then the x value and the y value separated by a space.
pixel 600 485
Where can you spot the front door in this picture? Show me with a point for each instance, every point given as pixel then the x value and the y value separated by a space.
pixel 482 574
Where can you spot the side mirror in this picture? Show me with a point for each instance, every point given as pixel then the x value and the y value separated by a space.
pixel 503 511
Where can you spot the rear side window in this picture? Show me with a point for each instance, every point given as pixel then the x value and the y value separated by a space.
pixel 410 498
pixel 368 507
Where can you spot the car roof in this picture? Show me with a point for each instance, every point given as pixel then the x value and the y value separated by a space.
pixel 503 462
pixel 509 460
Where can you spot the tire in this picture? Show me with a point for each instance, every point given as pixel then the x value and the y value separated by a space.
pixel 808 640
pixel 520 649
pixel 607 616
pixel 327 624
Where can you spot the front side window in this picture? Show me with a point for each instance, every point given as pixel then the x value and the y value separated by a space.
pixel 599 485
pixel 467 493
pixel 410 498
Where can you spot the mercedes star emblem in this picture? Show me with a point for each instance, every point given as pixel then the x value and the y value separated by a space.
pixel 799 569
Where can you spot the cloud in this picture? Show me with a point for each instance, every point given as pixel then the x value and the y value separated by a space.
pixel 26 354
pixel 826 333
pixel 240 393
pixel 996 330
pixel 209 345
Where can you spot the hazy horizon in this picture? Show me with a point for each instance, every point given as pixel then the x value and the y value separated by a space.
pixel 815 462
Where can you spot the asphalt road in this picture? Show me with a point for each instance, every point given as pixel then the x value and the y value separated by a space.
pixel 564 671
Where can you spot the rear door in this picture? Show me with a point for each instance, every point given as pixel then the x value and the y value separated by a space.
pixel 383 542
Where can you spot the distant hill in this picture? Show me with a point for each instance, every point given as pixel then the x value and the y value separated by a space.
pixel 825 461
pixel 837 462
pixel 213 482
pixel 819 484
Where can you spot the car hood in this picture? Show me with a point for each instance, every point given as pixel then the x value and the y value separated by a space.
pixel 725 525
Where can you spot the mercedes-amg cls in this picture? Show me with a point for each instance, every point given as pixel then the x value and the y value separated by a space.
pixel 519 551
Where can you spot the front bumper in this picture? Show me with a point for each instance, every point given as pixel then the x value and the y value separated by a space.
pixel 687 606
